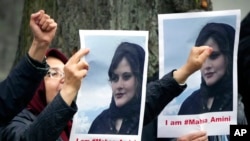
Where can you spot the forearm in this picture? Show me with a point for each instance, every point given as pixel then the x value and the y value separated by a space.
pixel 68 94
pixel 181 75
pixel 37 50
pixel 159 94
pixel 51 121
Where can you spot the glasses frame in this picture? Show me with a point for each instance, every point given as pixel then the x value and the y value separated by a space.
pixel 55 73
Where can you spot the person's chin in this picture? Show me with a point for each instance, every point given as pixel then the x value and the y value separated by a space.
pixel 119 103
pixel 210 83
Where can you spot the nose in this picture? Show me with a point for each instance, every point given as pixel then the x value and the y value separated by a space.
pixel 207 64
pixel 119 84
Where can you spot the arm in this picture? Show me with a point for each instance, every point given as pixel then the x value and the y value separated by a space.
pixel 158 94
pixel 48 125
pixel 18 88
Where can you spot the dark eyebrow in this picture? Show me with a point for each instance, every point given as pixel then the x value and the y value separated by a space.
pixel 216 52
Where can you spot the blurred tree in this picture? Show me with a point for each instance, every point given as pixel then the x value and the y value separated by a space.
pixel 104 14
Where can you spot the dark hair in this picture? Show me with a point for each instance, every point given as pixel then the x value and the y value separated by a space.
pixel 223 35
pixel 135 56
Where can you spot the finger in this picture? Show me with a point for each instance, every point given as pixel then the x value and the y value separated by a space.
pixel 42 12
pixel 35 16
pixel 52 26
pixel 45 24
pixel 202 138
pixel 198 135
pixel 43 19
pixel 83 73
pixel 83 65
pixel 78 55
pixel 205 53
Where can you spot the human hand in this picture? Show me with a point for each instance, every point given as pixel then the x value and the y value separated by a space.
pixel 197 57
pixel 43 27
pixel 75 69
pixel 195 136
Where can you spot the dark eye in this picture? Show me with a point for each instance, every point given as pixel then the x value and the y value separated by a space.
pixel 52 73
pixel 127 76
pixel 114 78
pixel 214 55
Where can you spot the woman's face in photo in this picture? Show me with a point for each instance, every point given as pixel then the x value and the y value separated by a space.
pixel 215 66
pixel 123 83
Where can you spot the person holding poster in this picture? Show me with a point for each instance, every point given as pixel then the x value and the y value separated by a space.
pixel 48 116
pixel 125 75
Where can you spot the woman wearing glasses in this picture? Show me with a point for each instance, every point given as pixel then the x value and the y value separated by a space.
pixel 49 114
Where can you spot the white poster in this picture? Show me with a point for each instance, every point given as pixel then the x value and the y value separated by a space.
pixel 112 95
pixel 210 100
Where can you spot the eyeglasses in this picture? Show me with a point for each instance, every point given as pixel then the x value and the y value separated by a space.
pixel 55 73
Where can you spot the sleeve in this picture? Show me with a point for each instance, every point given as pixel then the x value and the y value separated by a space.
pixel 46 127
pixel 20 85
pixel 158 94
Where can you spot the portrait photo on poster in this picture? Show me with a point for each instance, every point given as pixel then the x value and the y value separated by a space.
pixel 210 100
pixel 112 95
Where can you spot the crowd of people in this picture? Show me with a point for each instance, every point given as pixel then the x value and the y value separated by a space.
pixel 37 99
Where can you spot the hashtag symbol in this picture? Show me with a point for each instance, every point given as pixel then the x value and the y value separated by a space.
pixel 186 122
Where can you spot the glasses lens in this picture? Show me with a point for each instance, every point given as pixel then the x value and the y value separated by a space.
pixel 53 73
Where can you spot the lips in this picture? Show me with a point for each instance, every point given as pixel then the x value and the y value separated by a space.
pixel 119 95
pixel 209 74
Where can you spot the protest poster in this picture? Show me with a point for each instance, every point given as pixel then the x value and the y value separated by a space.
pixel 210 100
pixel 111 99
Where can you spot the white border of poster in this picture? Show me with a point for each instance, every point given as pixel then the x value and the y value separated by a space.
pixel 177 34
pixel 95 92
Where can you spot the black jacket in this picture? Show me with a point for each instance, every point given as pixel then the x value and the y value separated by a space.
pixel 18 88
pixel 47 126
pixel 159 94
